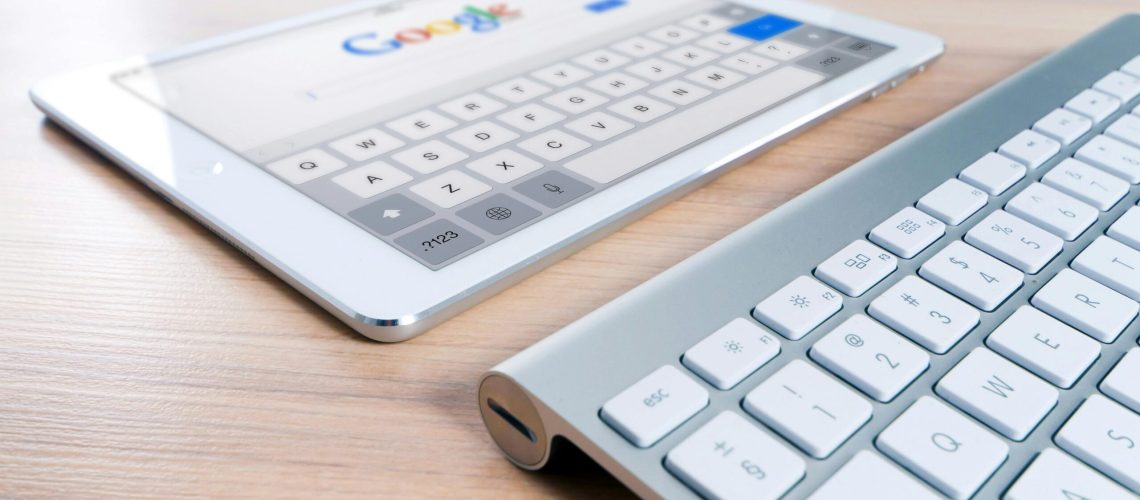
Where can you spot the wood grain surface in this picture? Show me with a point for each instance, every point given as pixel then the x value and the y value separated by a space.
pixel 142 356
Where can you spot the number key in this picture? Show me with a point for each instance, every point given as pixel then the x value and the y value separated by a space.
pixel 972 275
pixel 925 314
pixel 870 357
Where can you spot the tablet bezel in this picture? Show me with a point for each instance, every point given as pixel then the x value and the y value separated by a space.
pixel 376 289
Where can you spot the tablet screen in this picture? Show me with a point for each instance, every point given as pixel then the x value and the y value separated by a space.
pixel 444 126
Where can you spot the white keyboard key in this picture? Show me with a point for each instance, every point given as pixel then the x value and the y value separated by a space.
pixel 450 188
pixel 531 117
pixel 482 136
pixel 946 449
pixel 1132 67
pixel 972 275
pixel 1106 436
pixel 471 106
pixel 655 70
pixel 1126 229
pixel 749 63
pixel 690 56
pixel 575 100
pixel 868 475
pixel 366 144
pixel 427 157
pixel 554 145
pixel 1014 241
pixel 932 318
pixel 731 458
pixel 673 35
pixel 504 166
pixel 601 60
pixel 518 90
pixel 779 50
pixel 723 43
pixel 1126 129
pixel 1120 85
pixel 680 92
pixel 641 108
pixel 1030 148
pixel 857 268
pixel 994 173
pixel 807 407
pixel 1047 347
pixel 1113 156
pixel 1086 305
pixel 1053 211
pixel 1000 394
pixel 1086 183
pixel 715 77
pixel 599 126
pixel 1123 382
pixel 870 357
pixel 1063 125
pixel 1093 104
pixel 654 406
pixel 953 201
pixel 798 307
pixel 1053 474
pixel 731 353
pixel 908 232
pixel 1113 264
pixel 372 179
pixel 616 84
pixel 638 47
pixel 421 125
pixel 707 23
pixel 306 166
pixel 561 74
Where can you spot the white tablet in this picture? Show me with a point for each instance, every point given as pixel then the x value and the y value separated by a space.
pixel 399 161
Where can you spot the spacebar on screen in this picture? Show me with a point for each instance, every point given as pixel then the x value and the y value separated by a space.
pixel 682 128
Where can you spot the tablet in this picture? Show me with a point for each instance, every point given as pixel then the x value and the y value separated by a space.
pixel 399 161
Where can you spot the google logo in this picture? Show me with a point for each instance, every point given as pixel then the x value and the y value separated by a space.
pixel 475 19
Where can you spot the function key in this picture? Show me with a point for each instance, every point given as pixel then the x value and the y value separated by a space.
pixel 638 47
pixel 908 232
pixel 438 242
pixel 673 34
pixel 943 447
pixel 764 27
pixel 1053 474
pixel 471 106
pixel 798 307
pixel 994 173
pixel 1120 85
pixel 390 214
pixel 561 74
pixel 999 393
pixel 729 457
pixel 450 188
pixel 552 189
pixel 372 179
pixel 1132 67
pixel 811 36
pixel 421 125
pixel 518 90
pixel 857 268
pixel 1030 148
pixel 870 357
pixel 655 405
pixel 953 201
pixel 831 62
pixel 707 23
pixel 1090 185
pixel 366 144
pixel 428 157
pixel 868 475
pixel 1063 125
pixel 601 60
pixel 807 407
pixel 925 314
pixel 1104 435
pixel 731 353
pixel 1116 157
pixel 1126 129
pixel 498 214
pixel 1086 305
pixel 1123 382
pixel 305 166
pixel 1050 349
pixel 1093 104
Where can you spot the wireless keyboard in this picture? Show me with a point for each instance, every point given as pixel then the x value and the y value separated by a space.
pixel 953 316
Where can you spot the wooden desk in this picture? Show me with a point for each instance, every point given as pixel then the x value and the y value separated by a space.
pixel 142 356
